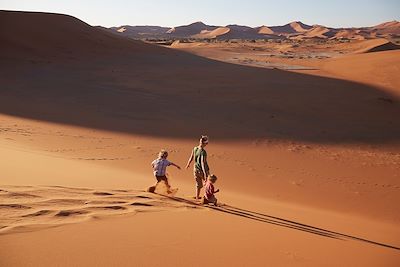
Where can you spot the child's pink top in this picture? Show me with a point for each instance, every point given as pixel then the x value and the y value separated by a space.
pixel 209 190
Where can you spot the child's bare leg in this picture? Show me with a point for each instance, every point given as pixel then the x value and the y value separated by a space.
pixel 168 186
pixel 198 192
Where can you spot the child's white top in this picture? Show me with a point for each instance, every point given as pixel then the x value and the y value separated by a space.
pixel 160 166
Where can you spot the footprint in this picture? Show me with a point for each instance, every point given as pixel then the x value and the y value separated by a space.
pixel 144 197
pixel 67 213
pixel 13 206
pixel 111 208
pixel 38 213
pixel 102 194
pixel 101 202
pixel 20 195
pixel 141 204
pixel 69 188
pixel 62 201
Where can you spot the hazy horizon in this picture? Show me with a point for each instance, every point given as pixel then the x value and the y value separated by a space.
pixel 252 13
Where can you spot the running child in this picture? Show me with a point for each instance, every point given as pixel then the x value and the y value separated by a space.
pixel 159 169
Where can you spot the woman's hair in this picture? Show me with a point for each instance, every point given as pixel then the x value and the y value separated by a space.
pixel 204 139
pixel 163 154
pixel 213 178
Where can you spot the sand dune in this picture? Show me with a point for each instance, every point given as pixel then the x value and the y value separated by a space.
pixel 59 37
pixel 376 45
pixel 264 30
pixel 28 208
pixel 317 31
pixel 240 32
pixel 382 66
pixel 293 27
pixel 144 80
pixel 190 30
pixel 112 218
pixel 392 27
pixel 292 30
pixel 213 33
pixel 349 34
pixel 307 165
pixel 299 26
pixel 383 47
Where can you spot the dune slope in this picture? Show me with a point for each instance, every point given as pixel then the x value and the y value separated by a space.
pixel 126 83
pixel 307 166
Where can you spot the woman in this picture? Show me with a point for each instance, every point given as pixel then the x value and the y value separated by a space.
pixel 201 169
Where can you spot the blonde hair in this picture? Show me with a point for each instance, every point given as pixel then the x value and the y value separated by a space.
pixel 163 154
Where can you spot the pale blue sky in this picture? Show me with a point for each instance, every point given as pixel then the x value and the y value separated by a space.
pixel 334 13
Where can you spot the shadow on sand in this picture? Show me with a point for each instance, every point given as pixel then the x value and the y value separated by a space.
pixel 265 218
pixel 97 80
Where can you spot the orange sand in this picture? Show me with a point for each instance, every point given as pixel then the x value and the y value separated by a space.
pixel 308 163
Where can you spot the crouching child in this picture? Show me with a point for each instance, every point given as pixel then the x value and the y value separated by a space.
pixel 209 191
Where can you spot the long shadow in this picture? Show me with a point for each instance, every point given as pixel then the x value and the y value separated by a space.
pixel 120 85
pixel 265 218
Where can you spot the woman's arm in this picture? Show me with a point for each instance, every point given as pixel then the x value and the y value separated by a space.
pixel 203 166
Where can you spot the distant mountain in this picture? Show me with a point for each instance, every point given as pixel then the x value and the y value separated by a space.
pixel 292 30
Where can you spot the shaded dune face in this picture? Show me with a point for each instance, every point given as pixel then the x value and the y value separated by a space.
pixel 59 69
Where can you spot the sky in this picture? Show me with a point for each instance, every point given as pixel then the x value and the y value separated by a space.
pixel 169 13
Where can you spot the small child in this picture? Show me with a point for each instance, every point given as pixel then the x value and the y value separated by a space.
pixel 159 169
pixel 209 191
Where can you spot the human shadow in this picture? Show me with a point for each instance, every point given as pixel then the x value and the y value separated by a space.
pixel 282 222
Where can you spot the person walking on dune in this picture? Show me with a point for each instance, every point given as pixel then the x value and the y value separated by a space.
pixel 159 169
pixel 201 169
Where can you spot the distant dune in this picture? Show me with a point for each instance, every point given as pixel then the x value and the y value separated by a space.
pixel 317 31
pixel 213 33
pixel 190 30
pixel 377 45
pixel 383 47
pixel 264 30
pixel 299 26
pixel 292 30
pixel 307 159
pixel 350 34
pixel 392 27
pixel 293 27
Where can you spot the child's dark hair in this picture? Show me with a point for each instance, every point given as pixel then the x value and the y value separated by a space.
pixel 213 178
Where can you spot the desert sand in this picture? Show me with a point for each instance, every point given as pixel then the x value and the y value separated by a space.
pixel 308 160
